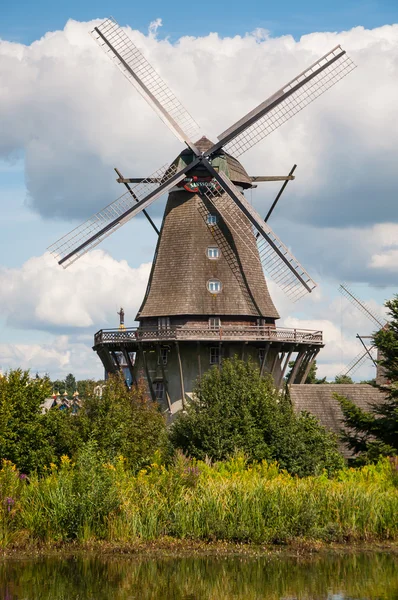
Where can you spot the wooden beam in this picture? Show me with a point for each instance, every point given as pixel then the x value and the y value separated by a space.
pixel 199 364
pixel 266 350
pixel 253 178
pixel 284 369
pixel 166 389
pixel 310 362
pixel 129 365
pixel 274 363
pixel 148 377
pixel 181 376
pixel 296 366
pixel 260 178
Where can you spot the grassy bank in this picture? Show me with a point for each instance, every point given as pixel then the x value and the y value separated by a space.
pixel 92 500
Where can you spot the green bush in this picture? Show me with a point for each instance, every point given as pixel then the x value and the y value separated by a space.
pixel 237 410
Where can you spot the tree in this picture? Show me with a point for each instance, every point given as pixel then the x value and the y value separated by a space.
pixel 70 384
pixel 123 422
pixel 343 379
pixel 28 438
pixel 234 408
pixel 375 432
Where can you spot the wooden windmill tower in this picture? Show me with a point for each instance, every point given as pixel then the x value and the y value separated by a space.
pixel 367 351
pixel 207 297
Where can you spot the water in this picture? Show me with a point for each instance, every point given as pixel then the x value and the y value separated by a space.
pixel 366 577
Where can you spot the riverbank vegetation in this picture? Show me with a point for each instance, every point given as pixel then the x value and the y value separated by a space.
pixel 89 500
pixel 239 465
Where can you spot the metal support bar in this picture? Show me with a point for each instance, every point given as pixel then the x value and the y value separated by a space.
pixel 136 199
pixel 181 376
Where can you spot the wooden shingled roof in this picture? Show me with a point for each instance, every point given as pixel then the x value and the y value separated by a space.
pixel 319 400
pixel 181 268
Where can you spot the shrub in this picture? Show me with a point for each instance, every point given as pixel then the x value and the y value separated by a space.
pixel 236 409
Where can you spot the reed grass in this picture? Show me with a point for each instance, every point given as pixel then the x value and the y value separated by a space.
pixel 193 500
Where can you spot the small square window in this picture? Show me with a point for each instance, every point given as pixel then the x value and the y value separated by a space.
pixel 214 323
pixel 162 357
pixel 159 390
pixel 213 252
pixel 214 286
pixel 164 322
pixel 214 355
pixel 211 219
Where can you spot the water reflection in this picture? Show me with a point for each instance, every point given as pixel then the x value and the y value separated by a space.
pixel 366 576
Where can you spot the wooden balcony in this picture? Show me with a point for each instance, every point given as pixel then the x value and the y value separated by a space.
pixel 254 333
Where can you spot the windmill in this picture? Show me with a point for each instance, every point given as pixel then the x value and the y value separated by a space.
pixel 367 353
pixel 207 296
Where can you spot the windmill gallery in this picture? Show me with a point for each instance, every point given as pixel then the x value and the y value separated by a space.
pixel 207 297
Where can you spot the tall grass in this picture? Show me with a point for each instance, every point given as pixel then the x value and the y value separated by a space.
pixel 93 500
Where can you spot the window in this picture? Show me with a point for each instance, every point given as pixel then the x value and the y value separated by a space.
pixel 213 252
pixel 214 286
pixel 211 219
pixel 214 323
pixel 162 357
pixel 164 322
pixel 261 354
pixel 159 390
pixel 214 355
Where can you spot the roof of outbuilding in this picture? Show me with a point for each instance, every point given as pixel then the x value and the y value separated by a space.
pixel 319 400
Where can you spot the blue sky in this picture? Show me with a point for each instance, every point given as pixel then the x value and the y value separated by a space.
pixel 25 21
pixel 339 216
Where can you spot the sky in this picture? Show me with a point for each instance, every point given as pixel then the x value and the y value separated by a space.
pixel 67 117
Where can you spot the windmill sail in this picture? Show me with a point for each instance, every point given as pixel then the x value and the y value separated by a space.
pixel 134 66
pixel 378 321
pixel 286 102
pixel 276 259
pixel 90 233
pixel 356 363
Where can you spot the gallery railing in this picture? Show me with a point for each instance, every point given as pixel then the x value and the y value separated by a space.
pixel 226 333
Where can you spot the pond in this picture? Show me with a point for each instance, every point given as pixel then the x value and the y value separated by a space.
pixel 333 577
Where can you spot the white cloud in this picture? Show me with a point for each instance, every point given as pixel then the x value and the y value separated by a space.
pixel 41 295
pixel 73 117
pixel 56 358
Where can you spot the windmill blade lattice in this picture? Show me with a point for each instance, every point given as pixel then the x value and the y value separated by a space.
pixel 90 233
pixel 118 45
pixel 276 259
pixel 364 308
pixel 288 101
pixel 355 364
